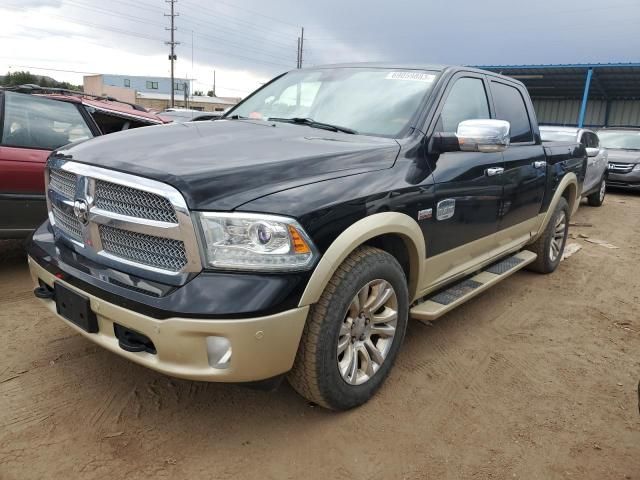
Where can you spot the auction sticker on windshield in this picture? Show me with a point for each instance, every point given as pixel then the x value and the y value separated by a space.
pixel 412 76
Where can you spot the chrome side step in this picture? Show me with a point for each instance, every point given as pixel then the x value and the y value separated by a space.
pixel 441 302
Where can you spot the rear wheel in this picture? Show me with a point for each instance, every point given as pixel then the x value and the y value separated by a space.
pixel 597 198
pixel 354 332
pixel 550 245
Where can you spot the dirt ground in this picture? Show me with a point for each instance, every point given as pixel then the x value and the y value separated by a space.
pixel 535 379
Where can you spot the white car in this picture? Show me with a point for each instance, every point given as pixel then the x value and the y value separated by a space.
pixel 595 180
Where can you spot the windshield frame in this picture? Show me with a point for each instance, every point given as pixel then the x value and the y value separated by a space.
pixel 619 130
pixel 411 126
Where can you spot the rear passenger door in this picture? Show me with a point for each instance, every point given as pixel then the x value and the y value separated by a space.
pixel 468 184
pixel 524 161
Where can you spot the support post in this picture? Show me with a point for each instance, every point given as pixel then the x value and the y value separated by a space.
pixel 607 111
pixel 585 97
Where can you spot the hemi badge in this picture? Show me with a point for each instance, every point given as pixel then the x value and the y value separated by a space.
pixel 425 214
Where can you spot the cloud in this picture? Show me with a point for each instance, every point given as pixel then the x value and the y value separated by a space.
pixel 247 43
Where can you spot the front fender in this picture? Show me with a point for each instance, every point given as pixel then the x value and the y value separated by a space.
pixel 359 233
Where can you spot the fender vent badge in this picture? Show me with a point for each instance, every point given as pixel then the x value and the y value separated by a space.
pixel 446 208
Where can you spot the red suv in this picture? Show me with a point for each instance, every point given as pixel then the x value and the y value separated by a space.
pixel 34 123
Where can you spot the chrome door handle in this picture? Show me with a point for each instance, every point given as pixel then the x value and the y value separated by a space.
pixel 539 164
pixel 494 171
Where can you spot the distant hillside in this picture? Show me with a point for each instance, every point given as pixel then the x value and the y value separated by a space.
pixel 21 78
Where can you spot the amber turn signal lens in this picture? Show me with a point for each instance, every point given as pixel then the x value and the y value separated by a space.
pixel 299 245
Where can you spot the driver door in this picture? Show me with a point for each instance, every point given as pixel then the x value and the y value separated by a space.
pixel 468 185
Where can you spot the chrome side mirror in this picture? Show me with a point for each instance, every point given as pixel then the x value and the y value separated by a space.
pixel 483 135
pixel 592 152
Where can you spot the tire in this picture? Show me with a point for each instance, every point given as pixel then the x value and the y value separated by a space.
pixel 556 232
pixel 597 198
pixel 323 375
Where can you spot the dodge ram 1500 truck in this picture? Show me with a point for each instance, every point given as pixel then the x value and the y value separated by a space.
pixel 297 236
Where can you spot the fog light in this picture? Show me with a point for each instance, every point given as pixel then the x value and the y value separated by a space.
pixel 219 352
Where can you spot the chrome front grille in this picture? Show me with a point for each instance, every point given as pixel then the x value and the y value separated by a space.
pixel 126 222
pixel 158 252
pixel 620 167
pixel 63 182
pixel 133 203
pixel 68 223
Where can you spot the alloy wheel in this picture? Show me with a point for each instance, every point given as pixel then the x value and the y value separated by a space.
pixel 558 236
pixel 367 332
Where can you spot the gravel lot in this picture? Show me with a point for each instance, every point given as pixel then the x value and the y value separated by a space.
pixel 535 379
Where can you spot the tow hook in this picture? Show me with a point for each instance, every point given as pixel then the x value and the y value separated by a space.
pixel 44 292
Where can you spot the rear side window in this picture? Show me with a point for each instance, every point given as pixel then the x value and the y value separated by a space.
pixel 510 106
pixel 37 122
pixel 467 100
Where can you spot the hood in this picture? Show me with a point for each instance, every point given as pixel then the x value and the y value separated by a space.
pixel 623 156
pixel 223 164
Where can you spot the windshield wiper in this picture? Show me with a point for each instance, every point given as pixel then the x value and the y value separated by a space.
pixel 235 117
pixel 310 122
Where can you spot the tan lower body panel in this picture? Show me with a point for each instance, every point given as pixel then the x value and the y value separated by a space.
pixel 261 347
pixel 460 262
pixel 430 310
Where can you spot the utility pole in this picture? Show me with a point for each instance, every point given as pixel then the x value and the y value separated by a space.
pixel 300 47
pixel 214 85
pixel 172 43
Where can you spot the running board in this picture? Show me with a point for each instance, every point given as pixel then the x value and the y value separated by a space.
pixel 441 302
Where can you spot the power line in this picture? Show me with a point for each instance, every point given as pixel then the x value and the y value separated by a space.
pixel 214 38
pixel 157 40
pixel 244 23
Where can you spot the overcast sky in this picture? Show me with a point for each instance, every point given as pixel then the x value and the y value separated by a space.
pixel 250 41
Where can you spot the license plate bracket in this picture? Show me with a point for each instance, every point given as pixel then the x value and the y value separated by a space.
pixel 75 307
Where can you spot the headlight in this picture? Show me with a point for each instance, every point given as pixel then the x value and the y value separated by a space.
pixel 636 168
pixel 246 241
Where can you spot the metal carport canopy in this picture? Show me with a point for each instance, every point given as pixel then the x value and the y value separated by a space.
pixel 604 81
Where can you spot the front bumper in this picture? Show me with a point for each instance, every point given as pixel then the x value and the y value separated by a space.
pixel 261 347
pixel 629 180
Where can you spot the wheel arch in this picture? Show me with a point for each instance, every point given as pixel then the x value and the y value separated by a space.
pixel 382 230
pixel 567 189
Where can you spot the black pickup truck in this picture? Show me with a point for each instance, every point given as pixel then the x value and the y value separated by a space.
pixel 297 236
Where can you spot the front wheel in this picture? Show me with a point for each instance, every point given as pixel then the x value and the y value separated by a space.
pixel 550 245
pixel 354 332
pixel 597 198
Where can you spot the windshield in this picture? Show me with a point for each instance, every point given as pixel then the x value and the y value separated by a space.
pixel 371 101
pixel 627 139
pixel 557 135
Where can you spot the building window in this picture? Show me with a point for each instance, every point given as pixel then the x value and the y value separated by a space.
pixel 178 86
pixel 152 85
pixel 127 82
pixel 219 109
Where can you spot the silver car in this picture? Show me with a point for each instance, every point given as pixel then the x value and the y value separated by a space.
pixel 595 179
pixel 623 145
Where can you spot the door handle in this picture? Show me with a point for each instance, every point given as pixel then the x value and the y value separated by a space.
pixel 539 164
pixel 490 172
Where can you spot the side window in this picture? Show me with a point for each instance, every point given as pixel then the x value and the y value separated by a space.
pixel 510 106
pixel 37 122
pixel 592 140
pixel 467 100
